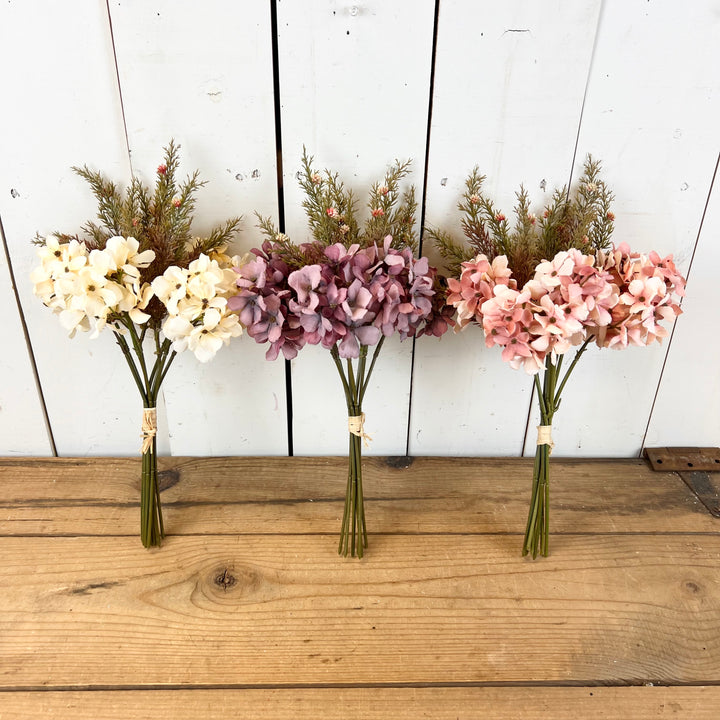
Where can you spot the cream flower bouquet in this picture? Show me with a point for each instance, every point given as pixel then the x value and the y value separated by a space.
pixel 159 290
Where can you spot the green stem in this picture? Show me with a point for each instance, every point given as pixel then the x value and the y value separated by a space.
pixel 122 342
pixel 336 358
pixel 353 530
pixel 351 381
pixel 161 377
pixel 537 529
pixel 139 352
pixel 152 528
pixel 158 356
pixel 541 396
pixel 376 352
pixel 577 357
pixel 361 370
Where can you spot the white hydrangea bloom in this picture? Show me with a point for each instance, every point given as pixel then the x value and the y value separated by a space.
pixel 85 288
pixel 196 301
pixel 171 287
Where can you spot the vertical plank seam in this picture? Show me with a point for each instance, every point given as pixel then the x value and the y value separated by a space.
pixel 423 204
pixel 428 133
pixel 585 94
pixel 127 139
pixel 119 87
pixel 569 183
pixel 275 43
pixel 28 343
pixel 672 332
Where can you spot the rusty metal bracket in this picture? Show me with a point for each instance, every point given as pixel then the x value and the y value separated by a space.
pixel 675 459
pixel 699 469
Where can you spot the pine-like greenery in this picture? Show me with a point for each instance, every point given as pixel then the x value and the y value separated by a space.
pixel 159 221
pixel 581 219
pixel 391 213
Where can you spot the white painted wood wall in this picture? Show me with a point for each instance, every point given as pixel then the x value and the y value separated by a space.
pixel 521 88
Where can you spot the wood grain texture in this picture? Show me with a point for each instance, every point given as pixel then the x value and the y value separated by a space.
pixel 305 495
pixel 242 610
pixel 441 619
pixel 205 78
pixel 509 80
pixel 437 703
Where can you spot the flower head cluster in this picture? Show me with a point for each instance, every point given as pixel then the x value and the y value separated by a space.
pixel 91 289
pixel 349 296
pixel 351 285
pixel 615 298
pixel 88 289
pixel 533 306
pixel 196 299
pixel 650 287
pixel 140 266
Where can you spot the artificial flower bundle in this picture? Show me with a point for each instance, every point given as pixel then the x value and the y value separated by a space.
pixel 549 285
pixel 347 290
pixel 159 290
pixel 546 286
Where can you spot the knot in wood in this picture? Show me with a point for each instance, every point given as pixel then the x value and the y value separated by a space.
pixel 167 478
pixel 399 462
pixel 225 579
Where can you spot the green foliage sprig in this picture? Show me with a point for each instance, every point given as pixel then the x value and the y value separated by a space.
pixel 160 221
pixel 332 214
pixel 581 219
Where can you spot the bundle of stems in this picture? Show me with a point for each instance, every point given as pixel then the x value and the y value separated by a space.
pixel 355 381
pixel 152 530
pixel 549 394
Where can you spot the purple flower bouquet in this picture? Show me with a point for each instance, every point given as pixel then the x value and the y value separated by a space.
pixel 347 290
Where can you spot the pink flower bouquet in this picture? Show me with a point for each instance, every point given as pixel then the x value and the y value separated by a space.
pixel 140 274
pixel 537 310
pixel 347 290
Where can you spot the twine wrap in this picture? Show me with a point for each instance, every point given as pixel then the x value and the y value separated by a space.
pixel 356 425
pixel 149 428
pixel 545 436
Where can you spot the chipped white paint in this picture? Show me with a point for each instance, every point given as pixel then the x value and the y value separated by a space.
pixel 509 102
pixel 355 77
pixel 652 116
pixel 205 78
pixel 354 90
pixel 57 64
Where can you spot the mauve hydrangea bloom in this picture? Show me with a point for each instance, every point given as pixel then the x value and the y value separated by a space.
pixel 353 297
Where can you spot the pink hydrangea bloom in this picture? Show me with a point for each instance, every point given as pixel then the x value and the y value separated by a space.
pixel 617 298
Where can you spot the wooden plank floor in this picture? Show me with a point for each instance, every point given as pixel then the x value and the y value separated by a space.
pixel 247 610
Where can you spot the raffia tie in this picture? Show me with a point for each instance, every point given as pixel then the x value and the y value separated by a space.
pixel 545 436
pixel 356 425
pixel 149 428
